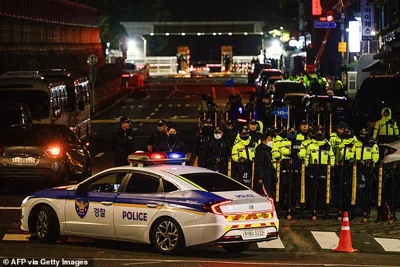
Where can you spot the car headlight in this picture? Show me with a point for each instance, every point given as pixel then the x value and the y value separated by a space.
pixel 26 199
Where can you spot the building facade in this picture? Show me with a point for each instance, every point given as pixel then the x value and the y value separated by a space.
pixel 39 34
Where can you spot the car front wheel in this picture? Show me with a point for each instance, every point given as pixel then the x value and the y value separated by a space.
pixel 166 236
pixel 237 248
pixel 47 225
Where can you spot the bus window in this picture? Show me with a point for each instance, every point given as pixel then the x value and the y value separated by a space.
pixel 37 101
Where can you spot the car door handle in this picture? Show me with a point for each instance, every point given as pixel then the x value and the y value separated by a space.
pixel 106 203
pixel 153 206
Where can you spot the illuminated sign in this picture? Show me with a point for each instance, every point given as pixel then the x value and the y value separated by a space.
pixel 367 20
pixel 354 37
pixel 316 8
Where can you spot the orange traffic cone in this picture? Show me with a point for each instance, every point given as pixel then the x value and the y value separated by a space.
pixel 345 236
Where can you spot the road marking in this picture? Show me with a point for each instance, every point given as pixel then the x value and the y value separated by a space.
pixel 326 240
pixel 152 113
pixel 170 105
pixel 277 243
pixel 99 155
pixel 141 124
pixel 16 237
pixel 135 129
pixel 214 94
pixel 389 244
pixel 179 105
pixel 125 106
pixel 10 208
pixel 156 109
pixel 140 106
pixel 187 105
pixel 148 117
pixel 160 105
pixel 132 106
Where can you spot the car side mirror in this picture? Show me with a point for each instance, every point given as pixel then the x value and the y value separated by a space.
pixel 81 105
pixel 57 113
pixel 81 190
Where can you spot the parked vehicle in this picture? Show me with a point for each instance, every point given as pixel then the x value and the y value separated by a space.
pixel 14 113
pixel 47 100
pixel 79 102
pixel 42 153
pixel 282 88
pixel 199 69
pixel 264 75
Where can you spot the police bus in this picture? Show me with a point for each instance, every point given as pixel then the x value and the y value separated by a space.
pixel 46 100
pixel 79 102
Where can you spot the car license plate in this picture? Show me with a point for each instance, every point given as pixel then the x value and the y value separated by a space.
pixel 254 234
pixel 28 160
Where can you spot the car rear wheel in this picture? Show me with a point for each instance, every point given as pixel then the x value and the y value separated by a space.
pixel 167 236
pixel 47 225
pixel 237 248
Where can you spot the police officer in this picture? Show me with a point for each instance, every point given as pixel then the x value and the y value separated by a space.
pixel 230 133
pixel 386 130
pixel 205 134
pixel 123 139
pixel 319 154
pixel 215 153
pixel 243 153
pixel 157 136
pixel 281 150
pixel 254 132
pixel 251 107
pixel 229 106
pixel 336 138
pixel 172 143
pixel 265 175
pixel 260 109
pixel 366 154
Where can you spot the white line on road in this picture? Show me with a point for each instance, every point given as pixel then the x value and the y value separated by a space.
pixel 179 105
pixel 135 129
pixel 152 114
pixel 170 105
pixel 10 208
pixel 140 106
pixel 389 244
pixel 132 106
pixel 141 124
pixel 123 106
pixel 326 240
pixel 277 243
pixel 156 109
pixel 187 105
pixel 148 117
pixel 99 155
pixel 160 105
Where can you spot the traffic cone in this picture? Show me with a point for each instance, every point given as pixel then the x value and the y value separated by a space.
pixel 345 236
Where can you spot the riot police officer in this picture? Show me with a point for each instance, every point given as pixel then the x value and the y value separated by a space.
pixel 205 134
pixel 386 129
pixel 243 153
pixel 215 153
pixel 123 139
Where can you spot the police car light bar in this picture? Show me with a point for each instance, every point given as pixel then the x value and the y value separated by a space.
pixel 157 158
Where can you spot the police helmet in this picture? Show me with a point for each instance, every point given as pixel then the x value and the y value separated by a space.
pixel 281 130
pixel 312 130
pixel 364 132
pixel 349 133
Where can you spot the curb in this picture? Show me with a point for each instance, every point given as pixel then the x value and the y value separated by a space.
pixel 113 105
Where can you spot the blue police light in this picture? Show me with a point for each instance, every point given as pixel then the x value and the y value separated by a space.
pixel 175 155
pixel 240 110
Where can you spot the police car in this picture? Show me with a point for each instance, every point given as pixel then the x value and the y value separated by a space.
pixel 170 206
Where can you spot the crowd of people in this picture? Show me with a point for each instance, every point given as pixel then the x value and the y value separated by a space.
pixel 258 155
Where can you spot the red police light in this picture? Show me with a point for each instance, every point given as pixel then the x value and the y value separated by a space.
pixel 329 18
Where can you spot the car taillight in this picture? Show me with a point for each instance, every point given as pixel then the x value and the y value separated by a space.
pixel 272 203
pixel 215 207
pixel 53 151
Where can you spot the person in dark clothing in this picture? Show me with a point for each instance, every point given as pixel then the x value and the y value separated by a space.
pixel 123 139
pixel 215 153
pixel 260 109
pixel 157 136
pixel 230 133
pixel 172 143
pixel 205 135
pixel 264 170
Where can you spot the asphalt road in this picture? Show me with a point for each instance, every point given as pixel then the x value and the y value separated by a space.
pixel 300 243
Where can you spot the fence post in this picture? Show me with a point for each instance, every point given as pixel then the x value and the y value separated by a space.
pixel 229 167
pixel 379 199
pixel 278 178
pixel 328 190
pixel 252 173
pixel 354 191
pixel 302 189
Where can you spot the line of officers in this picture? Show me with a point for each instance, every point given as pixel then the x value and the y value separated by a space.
pixel 265 160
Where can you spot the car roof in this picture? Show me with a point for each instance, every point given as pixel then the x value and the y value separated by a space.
pixel 174 169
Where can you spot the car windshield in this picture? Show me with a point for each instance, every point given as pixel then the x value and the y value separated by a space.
pixel 214 182
pixel 283 88
pixel 9 117
pixel 27 136
pixel 199 65
pixel 37 101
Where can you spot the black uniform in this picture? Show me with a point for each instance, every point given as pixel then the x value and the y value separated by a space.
pixel 215 155
pixel 122 142
pixel 172 144
pixel 264 169
pixel 156 138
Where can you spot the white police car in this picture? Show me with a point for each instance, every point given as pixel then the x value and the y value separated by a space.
pixel 168 206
